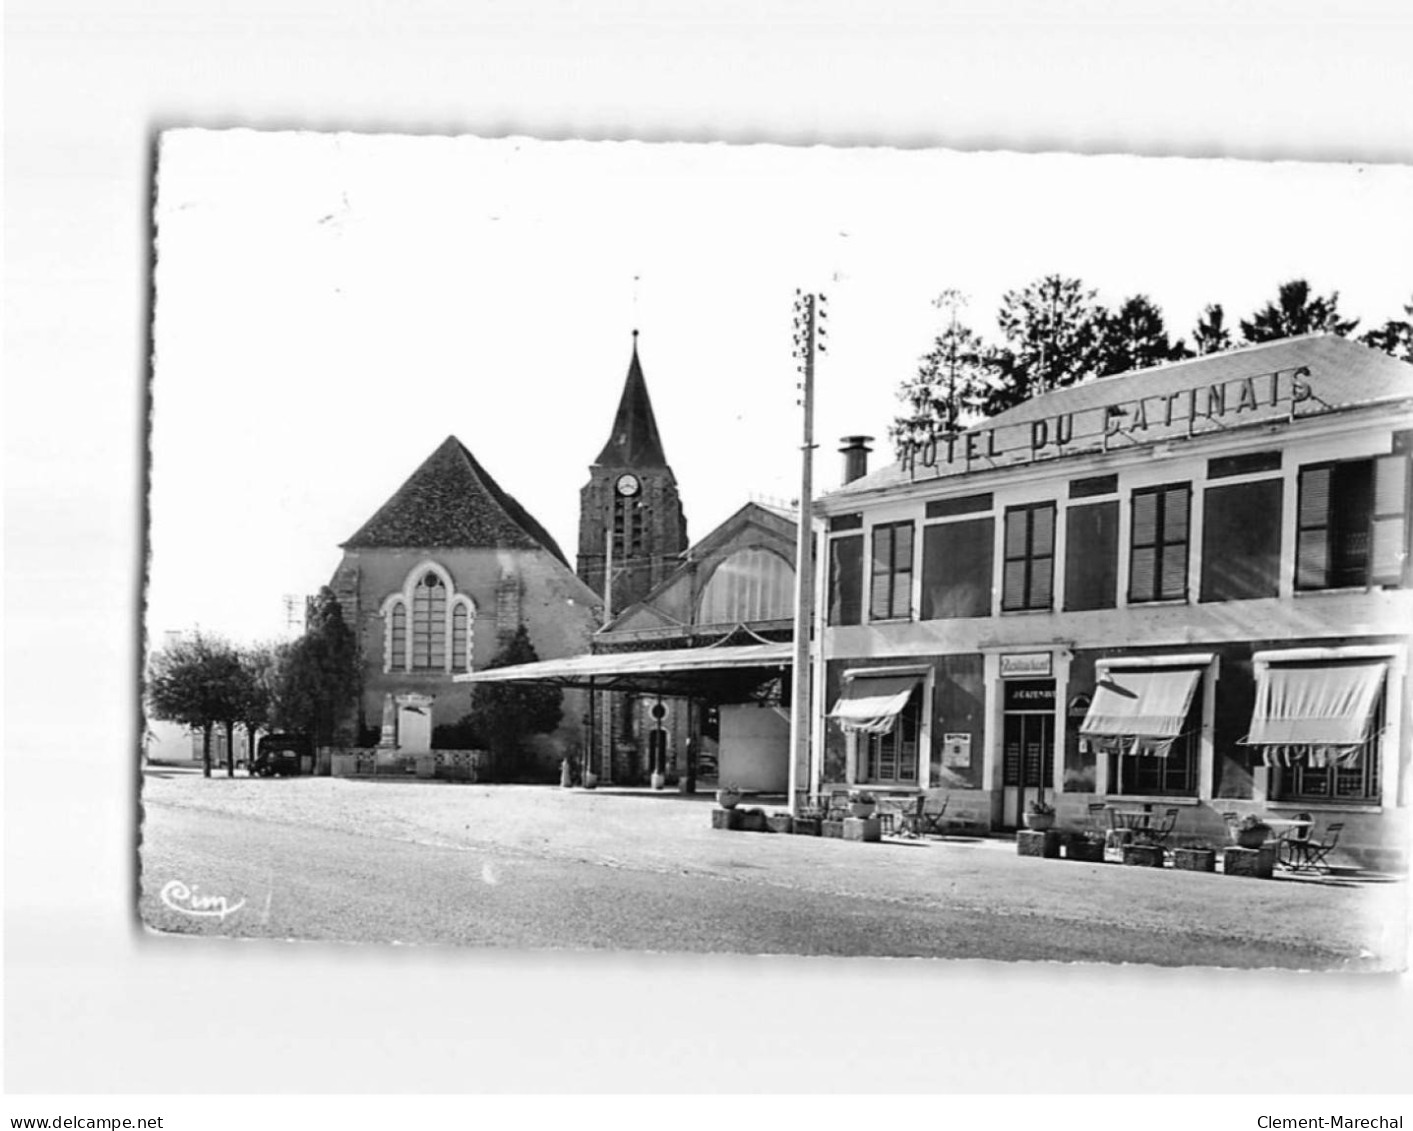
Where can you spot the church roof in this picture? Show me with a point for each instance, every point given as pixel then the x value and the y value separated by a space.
pixel 634 441
pixel 451 502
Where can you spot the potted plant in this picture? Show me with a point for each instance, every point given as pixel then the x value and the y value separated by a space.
pixel 1252 832
pixel 1195 858
pixel 728 796
pixel 862 804
pixel 1086 846
pixel 1039 815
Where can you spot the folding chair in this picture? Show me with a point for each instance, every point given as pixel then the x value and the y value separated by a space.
pixel 930 812
pixel 1309 854
pixel 1119 834
pixel 1158 834
pixel 1287 850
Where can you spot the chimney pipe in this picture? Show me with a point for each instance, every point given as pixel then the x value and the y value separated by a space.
pixel 855 452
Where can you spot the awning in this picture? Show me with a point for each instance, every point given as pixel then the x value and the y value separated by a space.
pixel 1141 703
pixel 673 667
pixel 1316 705
pixel 871 703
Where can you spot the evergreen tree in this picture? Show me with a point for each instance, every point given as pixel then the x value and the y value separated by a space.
pixel 1053 330
pixel 1135 337
pixel 1296 311
pixel 318 684
pixel 952 384
pixel 1394 337
pixel 1211 334
pixel 504 715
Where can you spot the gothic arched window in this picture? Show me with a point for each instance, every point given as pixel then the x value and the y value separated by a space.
pixel 427 625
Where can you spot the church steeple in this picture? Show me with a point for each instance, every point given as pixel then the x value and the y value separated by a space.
pixel 631 498
pixel 634 441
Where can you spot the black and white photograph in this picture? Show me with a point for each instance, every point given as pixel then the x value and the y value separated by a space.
pixel 562 556
pixel 1086 643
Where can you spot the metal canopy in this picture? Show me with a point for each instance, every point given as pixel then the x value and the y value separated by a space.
pixel 681 670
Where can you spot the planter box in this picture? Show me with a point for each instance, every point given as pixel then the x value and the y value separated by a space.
pixel 831 828
pixel 752 820
pixel 1085 851
pixel 1143 855
pixel 344 765
pixel 1258 863
pixel 805 826
pixel 726 818
pixel 1033 842
pixel 780 822
pixel 1195 859
pixel 867 829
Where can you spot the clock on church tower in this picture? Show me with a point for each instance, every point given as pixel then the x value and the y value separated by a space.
pixel 629 511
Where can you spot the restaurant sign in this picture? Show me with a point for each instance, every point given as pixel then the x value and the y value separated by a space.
pixel 1026 665
pixel 1144 418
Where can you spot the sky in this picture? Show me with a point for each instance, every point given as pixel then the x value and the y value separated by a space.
pixel 330 307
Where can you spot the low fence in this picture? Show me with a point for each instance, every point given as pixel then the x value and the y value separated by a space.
pixel 447 765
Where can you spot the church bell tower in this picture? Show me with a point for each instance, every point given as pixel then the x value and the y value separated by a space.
pixel 629 510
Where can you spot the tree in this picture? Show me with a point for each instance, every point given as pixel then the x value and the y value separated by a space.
pixel 196 682
pixel 260 670
pixel 952 384
pixel 1394 337
pixel 1296 311
pixel 1135 337
pixel 318 683
pixel 1053 331
pixel 506 714
pixel 1211 334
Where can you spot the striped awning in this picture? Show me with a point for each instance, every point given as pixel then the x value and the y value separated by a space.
pixel 1147 703
pixel 1316 711
pixel 870 704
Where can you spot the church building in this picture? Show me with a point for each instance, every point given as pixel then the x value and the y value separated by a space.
pixel 431 582
pixel 631 526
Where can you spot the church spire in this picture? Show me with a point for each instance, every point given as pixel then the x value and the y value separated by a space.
pixel 634 441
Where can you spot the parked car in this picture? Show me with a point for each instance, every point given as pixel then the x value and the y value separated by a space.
pixel 282 755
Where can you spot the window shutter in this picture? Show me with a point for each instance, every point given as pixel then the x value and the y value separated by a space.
pixel 1145 518
pixel 1390 525
pixel 1141 573
pixel 846 580
pixel 1312 551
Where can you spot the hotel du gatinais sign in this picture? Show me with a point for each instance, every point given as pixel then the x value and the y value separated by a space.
pixel 1106 427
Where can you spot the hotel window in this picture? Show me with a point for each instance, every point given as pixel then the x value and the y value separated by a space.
pixel 891 595
pixel 1318 725
pixel 1028 574
pixel 1353 525
pixel 891 758
pixel 1092 555
pixel 1241 541
pixel 846 580
pixel 1158 543
pixel 957 569
pixel 1145 718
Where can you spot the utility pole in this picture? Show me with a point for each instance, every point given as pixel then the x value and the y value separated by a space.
pixel 809 313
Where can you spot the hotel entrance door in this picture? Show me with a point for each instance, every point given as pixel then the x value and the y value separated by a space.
pixel 1028 746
